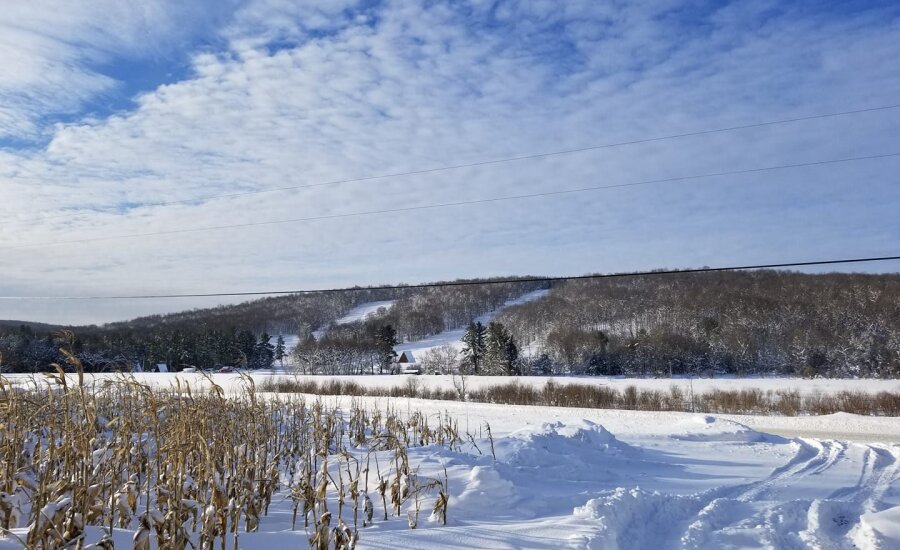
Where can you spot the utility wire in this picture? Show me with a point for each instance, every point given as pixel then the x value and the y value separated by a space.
pixel 500 160
pixel 449 204
pixel 470 283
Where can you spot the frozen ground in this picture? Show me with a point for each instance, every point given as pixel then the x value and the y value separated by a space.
pixel 583 478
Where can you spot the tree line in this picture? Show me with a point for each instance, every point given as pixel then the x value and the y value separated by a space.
pixel 745 323
pixel 750 323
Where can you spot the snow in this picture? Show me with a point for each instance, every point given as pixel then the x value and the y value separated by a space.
pixel 879 525
pixel 453 337
pixel 359 313
pixel 364 311
pixel 613 479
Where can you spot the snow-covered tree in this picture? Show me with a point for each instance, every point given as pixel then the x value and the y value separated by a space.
pixel 279 350
pixel 474 350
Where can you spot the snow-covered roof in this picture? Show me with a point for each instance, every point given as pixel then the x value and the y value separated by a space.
pixel 406 357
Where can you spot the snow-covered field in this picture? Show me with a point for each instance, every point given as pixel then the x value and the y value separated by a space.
pixel 584 478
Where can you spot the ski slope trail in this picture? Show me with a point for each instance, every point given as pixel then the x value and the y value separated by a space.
pixel 453 337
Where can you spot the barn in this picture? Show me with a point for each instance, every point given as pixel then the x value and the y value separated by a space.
pixel 407 364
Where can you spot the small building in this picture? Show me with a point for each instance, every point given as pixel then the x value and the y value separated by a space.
pixel 407 364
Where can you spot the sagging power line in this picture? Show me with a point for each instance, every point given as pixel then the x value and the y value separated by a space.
pixel 489 162
pixel 449 204
pixel 656 272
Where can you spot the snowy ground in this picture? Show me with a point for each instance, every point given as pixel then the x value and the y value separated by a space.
pixel 583 478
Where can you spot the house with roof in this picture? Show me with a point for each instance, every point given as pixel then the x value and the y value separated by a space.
pixel 407 364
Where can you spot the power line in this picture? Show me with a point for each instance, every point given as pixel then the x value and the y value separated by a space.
pixel 469 283
pixel 451 204
pixel 502 160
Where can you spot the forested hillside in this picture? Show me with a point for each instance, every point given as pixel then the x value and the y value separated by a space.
pixel 763 322
pixel 238 334
pixel 740 323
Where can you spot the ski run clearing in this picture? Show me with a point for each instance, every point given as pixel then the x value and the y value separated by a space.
pixel 364 311
pixel 604 479
pixel 453 338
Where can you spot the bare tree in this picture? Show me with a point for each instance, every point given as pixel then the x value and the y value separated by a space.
pixel 440 360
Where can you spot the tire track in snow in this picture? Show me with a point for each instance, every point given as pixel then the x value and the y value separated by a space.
pixel 829 523
pixel 887 472
pixel 732 507
pixel 813 457
pixel 835 521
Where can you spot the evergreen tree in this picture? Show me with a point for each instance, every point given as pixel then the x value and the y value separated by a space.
pixel 265 353
pixel 511 358
pixel 385 338
pixel 474 350
pixel 245 343
pixel 501 353
pixel 542 366
pixel 279 350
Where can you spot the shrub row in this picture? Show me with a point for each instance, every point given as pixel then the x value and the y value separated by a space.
pixel 554 394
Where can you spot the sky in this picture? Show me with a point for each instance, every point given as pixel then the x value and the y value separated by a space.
pixel 109 108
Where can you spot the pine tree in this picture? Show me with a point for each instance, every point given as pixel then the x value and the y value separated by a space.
pixel 501 352
pixel 474 350
pixel 265 353
pixel 511 358
pixel 245 343
pixel 385 339
pixel 279 350
pixel 542 366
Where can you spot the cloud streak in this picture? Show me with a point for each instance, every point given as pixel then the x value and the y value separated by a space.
pixel 284 93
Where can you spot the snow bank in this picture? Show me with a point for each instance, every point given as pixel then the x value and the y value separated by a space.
pixel 635 518
pixel 545 446
pixel 879 529
pixel 486 491
pixel 710 428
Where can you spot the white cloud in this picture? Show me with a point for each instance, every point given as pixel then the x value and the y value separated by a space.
pixel 52 51
pixel 300 94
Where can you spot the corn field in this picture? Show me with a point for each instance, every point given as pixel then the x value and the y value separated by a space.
pixel 185 468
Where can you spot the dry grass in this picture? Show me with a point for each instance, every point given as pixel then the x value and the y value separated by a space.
pixel 555 394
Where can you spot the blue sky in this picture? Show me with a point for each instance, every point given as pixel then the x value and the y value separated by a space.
pixel 109 107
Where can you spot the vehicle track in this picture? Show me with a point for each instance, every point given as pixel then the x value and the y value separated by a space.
pixel 759 509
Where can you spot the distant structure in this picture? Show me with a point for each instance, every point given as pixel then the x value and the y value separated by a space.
pixel 406 363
